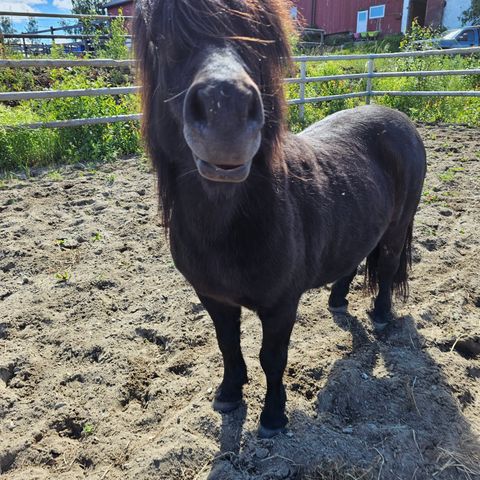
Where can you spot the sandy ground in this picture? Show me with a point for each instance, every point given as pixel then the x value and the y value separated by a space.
pixel 108 362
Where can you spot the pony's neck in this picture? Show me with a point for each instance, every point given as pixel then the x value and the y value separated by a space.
pixel 214 208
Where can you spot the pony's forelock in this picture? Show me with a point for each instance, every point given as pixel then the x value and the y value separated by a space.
pixel 258 29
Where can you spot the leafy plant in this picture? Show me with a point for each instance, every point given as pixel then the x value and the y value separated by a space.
pixel 63 277
pixel 88 429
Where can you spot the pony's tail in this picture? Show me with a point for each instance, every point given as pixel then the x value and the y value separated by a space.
pixel 400 280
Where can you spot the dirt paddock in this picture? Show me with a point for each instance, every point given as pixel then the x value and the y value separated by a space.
pixel 108 362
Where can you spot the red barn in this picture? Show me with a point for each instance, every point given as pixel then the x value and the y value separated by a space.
pixel 357 16
pixel 126 6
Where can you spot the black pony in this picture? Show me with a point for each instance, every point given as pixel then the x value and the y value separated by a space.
pixel 256 215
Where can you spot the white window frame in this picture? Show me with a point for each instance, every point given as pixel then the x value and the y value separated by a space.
pixel 372 16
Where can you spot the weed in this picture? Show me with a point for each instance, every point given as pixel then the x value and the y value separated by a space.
pixel 55 176
pixel 430 198
pixel 97 236
pixel 449 175
pixel 88 429
pixel 63 277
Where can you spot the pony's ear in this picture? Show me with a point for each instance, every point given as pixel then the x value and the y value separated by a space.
pixel 142 33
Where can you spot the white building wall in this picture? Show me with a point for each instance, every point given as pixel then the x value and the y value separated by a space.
pixel 406 7
pixel 453 10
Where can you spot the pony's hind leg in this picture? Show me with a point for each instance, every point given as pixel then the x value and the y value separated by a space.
pixel 337 302
pixel 387 268
pixel 226 319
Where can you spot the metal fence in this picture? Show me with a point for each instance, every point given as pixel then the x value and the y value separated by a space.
pixel 370 75
pixel 49 34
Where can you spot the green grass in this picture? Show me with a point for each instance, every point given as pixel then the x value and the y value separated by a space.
pixel 449 175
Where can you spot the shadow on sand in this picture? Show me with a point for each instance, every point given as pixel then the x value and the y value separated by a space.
pixel 385 412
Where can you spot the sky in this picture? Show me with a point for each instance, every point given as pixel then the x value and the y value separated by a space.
pixel 47 6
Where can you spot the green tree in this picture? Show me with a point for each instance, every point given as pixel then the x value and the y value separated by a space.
pixel 471 16
pixel 87 7
pixel 6 25
pixel 32 27
pixel 115 47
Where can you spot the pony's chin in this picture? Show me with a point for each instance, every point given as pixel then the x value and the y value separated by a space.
pixel 221 173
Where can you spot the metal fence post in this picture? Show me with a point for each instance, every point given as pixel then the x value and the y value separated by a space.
pixel 303 76
pixel 369 80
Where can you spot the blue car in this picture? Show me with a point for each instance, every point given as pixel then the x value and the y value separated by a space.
pixel 464 37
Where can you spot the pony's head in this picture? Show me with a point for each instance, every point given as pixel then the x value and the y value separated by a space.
pixel 212 75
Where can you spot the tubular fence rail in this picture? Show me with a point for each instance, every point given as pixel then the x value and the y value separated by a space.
pixel 58 15
pixel 369 93
pixel 50 34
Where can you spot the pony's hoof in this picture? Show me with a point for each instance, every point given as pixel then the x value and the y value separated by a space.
pixel 342 309
pixel 264 432
pixel 226 407
pixel 381 322
pixel 380 327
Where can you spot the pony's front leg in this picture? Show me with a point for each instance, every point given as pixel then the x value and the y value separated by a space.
pixel 277 325
pixel 227 326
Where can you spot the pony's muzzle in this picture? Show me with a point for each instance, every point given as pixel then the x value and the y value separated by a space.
pixel 223 119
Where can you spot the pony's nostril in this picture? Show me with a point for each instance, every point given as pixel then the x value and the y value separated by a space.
pixel 196 106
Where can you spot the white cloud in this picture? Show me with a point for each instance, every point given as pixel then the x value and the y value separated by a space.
pixel 63 4
pixel 20 5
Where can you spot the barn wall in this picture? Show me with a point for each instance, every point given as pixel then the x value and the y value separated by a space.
pixel 304 11
pixel 127 9
pixel 337 16
pixel 434 13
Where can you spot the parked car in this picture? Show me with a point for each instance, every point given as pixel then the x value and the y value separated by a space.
pixel 464 37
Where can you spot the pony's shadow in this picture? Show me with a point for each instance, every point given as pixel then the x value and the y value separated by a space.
pixel 385 409
pixel 230 441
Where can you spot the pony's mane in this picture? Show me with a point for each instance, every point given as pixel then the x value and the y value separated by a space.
pixel 167 30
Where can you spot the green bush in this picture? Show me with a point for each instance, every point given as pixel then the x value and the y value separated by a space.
pixel 20 147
